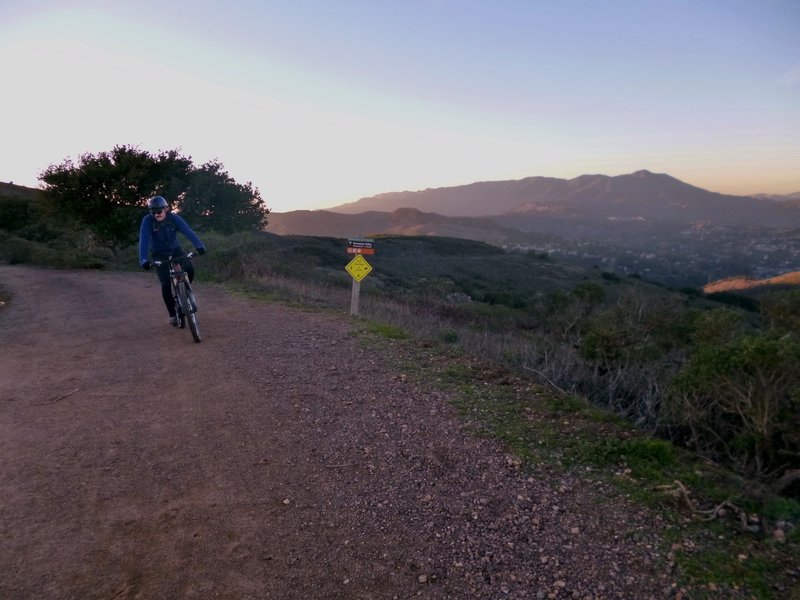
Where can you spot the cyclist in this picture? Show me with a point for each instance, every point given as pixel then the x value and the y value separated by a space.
pixel 159 234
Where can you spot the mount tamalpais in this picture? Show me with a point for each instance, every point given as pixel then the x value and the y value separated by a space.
pixel 522 204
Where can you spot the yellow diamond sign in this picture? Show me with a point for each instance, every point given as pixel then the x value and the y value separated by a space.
pixel 358 267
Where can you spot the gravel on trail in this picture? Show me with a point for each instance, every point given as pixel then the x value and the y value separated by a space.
pixel 282 457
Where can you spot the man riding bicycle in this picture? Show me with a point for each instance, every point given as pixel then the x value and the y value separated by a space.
pixel 159 234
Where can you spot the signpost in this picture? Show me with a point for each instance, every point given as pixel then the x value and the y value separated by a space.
pixel 358 267
pixel 360 246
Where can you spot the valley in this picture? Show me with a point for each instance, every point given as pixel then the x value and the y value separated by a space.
pixel 642 224
pixel 680 257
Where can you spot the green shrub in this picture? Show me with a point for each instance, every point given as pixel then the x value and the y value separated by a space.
pixel 781 311
pixel 739 402
pixel 16 250
pixel 387 331
pixel 647 458
pixel 448 336
pixel 737 300
pixel 610 277
pixel 17 212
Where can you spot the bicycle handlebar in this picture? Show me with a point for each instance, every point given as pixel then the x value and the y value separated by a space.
pixel 158 263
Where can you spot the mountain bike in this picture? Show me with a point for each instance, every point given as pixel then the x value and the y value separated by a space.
pixel 185 303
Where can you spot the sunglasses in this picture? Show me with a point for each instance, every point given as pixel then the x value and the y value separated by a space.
pixel 157 211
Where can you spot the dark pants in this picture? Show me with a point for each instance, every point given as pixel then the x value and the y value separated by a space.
pixel 166 288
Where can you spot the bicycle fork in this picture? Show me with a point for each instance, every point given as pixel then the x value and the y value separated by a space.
pixel 190 296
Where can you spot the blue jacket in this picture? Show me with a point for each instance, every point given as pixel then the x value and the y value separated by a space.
pixel 162 238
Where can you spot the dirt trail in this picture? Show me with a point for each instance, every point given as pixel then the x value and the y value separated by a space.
pixel 279 458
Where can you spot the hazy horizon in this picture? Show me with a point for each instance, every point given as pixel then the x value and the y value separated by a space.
pixel 319 104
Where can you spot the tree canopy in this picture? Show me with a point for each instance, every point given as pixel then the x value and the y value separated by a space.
pixel 107 192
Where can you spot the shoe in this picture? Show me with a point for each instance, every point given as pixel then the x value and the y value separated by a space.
pixel 173 321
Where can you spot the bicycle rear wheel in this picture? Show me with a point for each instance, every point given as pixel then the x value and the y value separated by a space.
pixel 188 312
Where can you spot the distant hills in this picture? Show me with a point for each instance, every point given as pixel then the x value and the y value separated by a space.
pixel 640 195
pixel 641 223
pixel 488 210
pixel 401 221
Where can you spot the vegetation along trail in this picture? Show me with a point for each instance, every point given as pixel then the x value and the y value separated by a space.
pixel 280 458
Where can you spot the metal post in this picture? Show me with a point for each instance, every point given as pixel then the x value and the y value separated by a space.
pixel 354 298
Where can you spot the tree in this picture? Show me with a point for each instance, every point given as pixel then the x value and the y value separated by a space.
pixel 215 201
pixel 107 192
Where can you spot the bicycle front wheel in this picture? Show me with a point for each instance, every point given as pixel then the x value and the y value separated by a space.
pixel 184 309
pixel 179 314
pixel 188 312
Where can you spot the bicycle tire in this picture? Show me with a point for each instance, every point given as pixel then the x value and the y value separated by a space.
pixel 178 311
pixel 184 310
pixel 191 318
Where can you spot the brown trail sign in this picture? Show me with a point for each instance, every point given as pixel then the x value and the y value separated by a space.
pixel 358 267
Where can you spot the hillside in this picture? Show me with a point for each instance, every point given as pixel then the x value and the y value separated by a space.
pixel 738 284
pixel 10 190
pixel 402 221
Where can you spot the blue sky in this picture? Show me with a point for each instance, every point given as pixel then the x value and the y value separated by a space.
pixel 322 102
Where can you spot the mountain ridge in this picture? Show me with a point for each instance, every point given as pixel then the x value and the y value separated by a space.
pixel 647 223
pixel 655 196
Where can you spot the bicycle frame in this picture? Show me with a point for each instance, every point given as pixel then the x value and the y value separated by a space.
pixel 185 305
